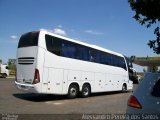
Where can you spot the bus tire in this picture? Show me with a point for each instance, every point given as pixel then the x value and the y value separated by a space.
pixel 86 90
pixel 72 91
pixel 4 75
pixel 124 88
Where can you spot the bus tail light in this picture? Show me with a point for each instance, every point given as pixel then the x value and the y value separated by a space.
pixel 133 102
pixel 36 77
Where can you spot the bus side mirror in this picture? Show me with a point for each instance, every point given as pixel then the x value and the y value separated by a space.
pixel 7 67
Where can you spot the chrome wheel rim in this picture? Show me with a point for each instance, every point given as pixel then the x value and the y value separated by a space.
pixel 124 88
pixel 85 91
pixel 73 91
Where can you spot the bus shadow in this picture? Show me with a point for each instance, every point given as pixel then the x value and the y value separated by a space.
pixel 107 93
pixel 49 97
pixel 39 97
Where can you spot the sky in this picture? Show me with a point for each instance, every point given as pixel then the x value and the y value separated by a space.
pixel 106 23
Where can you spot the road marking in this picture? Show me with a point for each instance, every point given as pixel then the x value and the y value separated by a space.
pixel 54 103
pixel 57 103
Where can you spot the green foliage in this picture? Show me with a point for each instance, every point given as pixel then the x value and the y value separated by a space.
pixel 148 13
pixel 12 65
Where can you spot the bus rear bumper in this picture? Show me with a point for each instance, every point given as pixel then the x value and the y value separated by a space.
pixel 26 87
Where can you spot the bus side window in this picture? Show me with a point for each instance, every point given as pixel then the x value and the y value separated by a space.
pixel 97 57
pixel 122 63
pixel 82 53
pixel 57 46
pixel 53 44
pixel 103 58
pixel 68 49
pixel 85 53
pixel 91 55
pixel 108 59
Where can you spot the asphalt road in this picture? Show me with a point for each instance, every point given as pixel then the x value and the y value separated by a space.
pixel 13 101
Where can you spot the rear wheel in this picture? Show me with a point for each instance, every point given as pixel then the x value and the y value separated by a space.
pixel 124 88
pixel 86 90
pixel 72 91
pixel 4 75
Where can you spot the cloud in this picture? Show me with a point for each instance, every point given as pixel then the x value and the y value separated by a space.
pixel 14 37
pixel 59 31
pixel 59 26
pixel 93 32
pixel 45 29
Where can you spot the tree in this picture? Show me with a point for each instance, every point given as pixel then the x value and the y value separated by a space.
pixel 148 14
pixel 12 65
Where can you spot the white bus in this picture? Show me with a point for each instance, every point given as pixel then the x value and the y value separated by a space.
pixel 51 64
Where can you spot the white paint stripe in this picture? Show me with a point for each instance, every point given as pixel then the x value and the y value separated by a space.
pixel 54 103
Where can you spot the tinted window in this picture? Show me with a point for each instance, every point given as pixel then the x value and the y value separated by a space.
pixel 29 39
pixel 82 53
pixel 103 58
pixel 108 59
pixel 68 49
pixel 98 57
pixel 54 45
pixel 121 63
pixel 114 60
pixel 92 55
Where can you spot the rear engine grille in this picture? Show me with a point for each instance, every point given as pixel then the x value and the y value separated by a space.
pixel 26 60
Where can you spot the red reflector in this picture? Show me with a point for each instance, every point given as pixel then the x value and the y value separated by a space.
pixel 133 102
pixel 36 77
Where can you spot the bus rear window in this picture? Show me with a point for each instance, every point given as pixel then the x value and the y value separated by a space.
pixel 29 39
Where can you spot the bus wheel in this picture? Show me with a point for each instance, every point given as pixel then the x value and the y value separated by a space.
pixel 86 90
pixel 72 91
pixel 4 75
pixel 124 88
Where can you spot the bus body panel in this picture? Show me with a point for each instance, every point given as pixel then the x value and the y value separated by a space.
pixel 26 64
pixel 55 81
pixel 99 82
pixel 74 75
pixel 87 76
pixel 40 67
pixel 45 79
pixel 65 83
pixel 104 77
